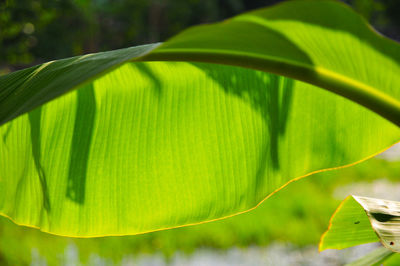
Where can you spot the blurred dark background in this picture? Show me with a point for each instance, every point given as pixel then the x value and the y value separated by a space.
pixel 36 31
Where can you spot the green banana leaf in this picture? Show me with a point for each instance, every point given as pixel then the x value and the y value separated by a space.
pixel 120 142
pixel 360 220
pixel 373 258
pixel 393 260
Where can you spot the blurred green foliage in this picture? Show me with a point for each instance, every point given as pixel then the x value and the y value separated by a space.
pixel 35 31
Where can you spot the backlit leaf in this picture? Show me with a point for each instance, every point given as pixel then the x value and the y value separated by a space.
pixel 121 143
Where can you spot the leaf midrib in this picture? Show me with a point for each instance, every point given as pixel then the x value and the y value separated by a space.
pixel 355 90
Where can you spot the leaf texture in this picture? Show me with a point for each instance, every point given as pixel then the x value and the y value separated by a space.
pixel 320 42
pixel 109 144
pixel 360 220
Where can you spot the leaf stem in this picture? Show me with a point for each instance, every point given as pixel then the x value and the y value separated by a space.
pixel 356 91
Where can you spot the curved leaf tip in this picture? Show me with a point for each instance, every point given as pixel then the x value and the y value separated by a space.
pixel 359 220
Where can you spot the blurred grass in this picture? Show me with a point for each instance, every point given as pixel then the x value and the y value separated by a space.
pixel 298 214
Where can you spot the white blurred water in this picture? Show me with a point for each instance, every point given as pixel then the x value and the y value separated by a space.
pixel 275 254
pixel 392 154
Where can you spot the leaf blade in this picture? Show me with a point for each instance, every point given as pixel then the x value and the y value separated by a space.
pixel 261 40
pixel 377 220
pixel 376 257
pixel 150 146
